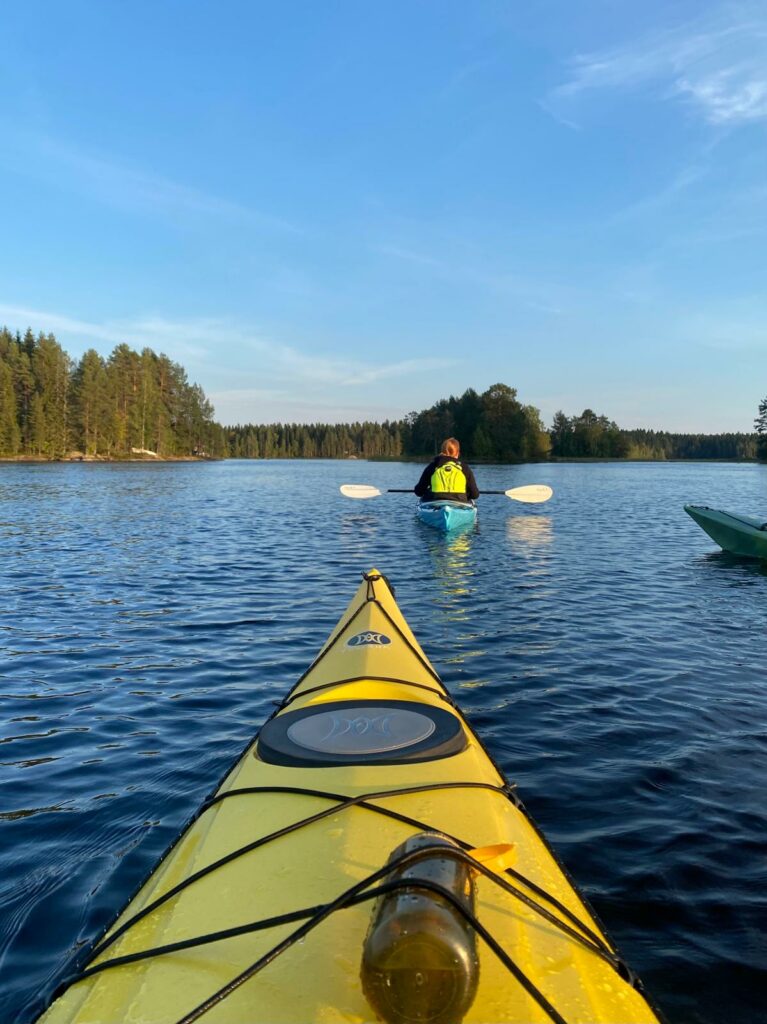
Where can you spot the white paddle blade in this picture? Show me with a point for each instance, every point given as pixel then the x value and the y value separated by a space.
pixel 359 491
pixel 532 494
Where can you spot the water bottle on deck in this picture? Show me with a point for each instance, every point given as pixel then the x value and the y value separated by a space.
pixel 420 963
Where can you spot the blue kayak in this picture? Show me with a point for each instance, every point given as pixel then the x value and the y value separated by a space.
pixel 447 515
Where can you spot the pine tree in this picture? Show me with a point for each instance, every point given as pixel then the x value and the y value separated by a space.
pixel 51 366
pixel 90 402
pixel 123 374
pixel 561 435
pixel 10 435
pixel 37 426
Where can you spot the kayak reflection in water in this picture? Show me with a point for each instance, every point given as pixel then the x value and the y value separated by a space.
pixel 447 477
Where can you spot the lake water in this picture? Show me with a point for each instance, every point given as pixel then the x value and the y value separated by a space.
pixel 610 656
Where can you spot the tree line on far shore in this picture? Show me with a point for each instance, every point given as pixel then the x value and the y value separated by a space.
pixel 52 406
pixel 315 441
pixel 493 427
pixel 592 436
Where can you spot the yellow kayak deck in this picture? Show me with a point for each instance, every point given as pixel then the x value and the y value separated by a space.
pixel 238 923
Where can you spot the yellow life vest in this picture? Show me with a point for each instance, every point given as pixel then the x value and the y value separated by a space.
pixel 448 478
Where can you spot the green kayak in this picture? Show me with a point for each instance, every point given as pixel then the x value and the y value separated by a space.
pixel 742 535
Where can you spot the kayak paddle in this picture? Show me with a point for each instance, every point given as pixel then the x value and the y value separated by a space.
pixel 530 494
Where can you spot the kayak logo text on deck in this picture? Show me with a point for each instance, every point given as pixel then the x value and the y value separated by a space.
pixel 369 639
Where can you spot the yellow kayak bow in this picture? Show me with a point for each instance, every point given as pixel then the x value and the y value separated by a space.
pixel 363 859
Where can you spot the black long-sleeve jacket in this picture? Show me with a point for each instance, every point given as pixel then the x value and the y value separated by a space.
pixel 423 487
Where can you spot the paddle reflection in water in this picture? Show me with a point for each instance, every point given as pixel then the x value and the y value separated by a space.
pixel 527 534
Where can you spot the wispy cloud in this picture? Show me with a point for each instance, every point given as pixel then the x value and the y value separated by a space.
pixel 733 94
pixel 123 185
pixel 667 196
pixel 368 375
pixel 531 293
pixel 336 370
pixel 180 341
pixel 249 405
pixel 718 65
pixel 201 340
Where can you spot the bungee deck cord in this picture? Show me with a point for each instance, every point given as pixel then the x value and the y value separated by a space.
pixel 577 930
pixel 543 904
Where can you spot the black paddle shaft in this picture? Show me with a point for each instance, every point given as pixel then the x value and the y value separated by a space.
pixel 409 490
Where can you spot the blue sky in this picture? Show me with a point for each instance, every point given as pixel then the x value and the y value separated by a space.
pixel 341 210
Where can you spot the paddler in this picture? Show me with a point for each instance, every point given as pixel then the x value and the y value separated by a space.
pixel 447 477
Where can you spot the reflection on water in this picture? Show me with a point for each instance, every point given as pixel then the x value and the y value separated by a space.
pixel 453 573
pixel 26 812
pixel 528 533
pixel 456 579
pixel 736 571
pixel 531 540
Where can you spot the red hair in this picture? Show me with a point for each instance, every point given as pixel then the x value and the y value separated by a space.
pixel 451 447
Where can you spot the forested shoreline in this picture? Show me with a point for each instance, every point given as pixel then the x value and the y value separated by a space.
pixel 492 427
pixel 52 406
pixel 140 404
